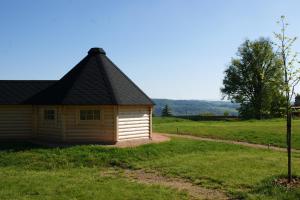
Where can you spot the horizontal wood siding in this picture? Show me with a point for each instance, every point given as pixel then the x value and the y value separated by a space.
pixel 49 130
pixel 133 122
pixel 15 122
pixel 89 131
pixel 116 123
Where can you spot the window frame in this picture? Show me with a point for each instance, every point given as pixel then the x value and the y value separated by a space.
pixel 91 115
pixel 46 114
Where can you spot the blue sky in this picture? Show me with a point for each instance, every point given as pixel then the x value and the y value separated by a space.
pixel 171 48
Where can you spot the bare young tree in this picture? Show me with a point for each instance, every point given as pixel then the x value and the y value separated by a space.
pixel 291 79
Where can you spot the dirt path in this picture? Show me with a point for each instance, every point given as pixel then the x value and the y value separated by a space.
pixel 154 178
pixel 247 144
pixel 156 138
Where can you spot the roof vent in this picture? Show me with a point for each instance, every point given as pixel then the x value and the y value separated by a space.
pixel 95 51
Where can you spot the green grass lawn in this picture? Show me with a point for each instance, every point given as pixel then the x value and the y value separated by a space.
pixel 32 172
pixel 83 183
pixel 29 172
pixel 254 131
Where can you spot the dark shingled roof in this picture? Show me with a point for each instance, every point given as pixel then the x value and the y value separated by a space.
pixel 17 92
pixel 95 80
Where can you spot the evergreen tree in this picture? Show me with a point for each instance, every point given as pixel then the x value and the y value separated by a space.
pixel 297 100
pixel 166 111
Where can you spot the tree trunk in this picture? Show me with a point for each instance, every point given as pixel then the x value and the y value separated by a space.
pixel 289 143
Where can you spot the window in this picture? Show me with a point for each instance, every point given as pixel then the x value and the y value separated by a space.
pixel 90 115
pixel 49 114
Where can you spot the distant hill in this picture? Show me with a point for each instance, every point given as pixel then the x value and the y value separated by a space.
pixel 195 107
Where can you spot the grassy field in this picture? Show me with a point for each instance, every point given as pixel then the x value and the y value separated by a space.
pixel 254 131
pixel 30 172
pixel 75 184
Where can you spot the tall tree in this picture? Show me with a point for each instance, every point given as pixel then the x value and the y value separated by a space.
pixel 254 79
pixel 291 79
pixel 166 111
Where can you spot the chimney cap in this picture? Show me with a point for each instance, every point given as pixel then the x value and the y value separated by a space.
pixel 95 51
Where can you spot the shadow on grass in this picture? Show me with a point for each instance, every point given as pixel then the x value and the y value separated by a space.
pixel 18 146
pixel 15 146
pixel 268 189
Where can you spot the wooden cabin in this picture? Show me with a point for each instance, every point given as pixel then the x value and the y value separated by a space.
pixel 95 102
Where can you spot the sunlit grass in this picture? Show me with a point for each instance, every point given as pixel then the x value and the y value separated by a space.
pixel 255 131
pixel 30 172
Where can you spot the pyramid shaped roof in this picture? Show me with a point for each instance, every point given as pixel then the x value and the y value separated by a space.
pixel 15 92
pixel 95 80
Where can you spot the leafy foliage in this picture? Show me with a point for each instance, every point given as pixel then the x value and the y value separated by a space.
pixel 288 59
pixel 255 79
